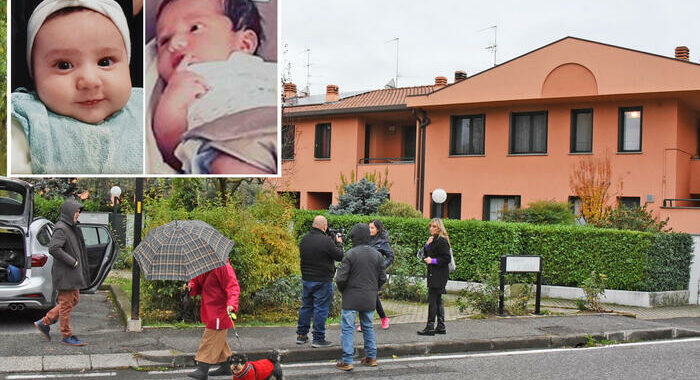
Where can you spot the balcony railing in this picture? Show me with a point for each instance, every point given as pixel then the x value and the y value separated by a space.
pixel 693 203
pixel 387 160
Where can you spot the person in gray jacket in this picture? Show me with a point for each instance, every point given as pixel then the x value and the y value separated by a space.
pixel 359 277
pixel 70 271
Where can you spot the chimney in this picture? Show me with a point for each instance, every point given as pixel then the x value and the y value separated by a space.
pixel 683 53
pixel 332 93
pixel 290 90
pixel 440 81
pixel 460 76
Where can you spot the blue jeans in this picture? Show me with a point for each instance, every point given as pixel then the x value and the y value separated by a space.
pixel 316 299
pixel 347 327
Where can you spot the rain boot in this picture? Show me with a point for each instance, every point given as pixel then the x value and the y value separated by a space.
pixel 224 370
pixel 429 330
pixel 440 329
pixel 201 373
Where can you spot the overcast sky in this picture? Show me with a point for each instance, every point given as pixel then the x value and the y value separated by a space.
pixel 351 43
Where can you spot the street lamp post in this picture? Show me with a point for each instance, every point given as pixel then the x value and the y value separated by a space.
pixel 134 323
pixel 439 197
pixel 115 191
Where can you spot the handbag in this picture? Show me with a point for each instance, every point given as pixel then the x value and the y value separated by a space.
pixel 452 265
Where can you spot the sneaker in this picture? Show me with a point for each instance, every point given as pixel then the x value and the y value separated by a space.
pixel 322 343
pixel 73 341
pixel 385 323
pixel 359 327
pixel 369 362
pixel 343 366
pixel 301 339
pixel 43 329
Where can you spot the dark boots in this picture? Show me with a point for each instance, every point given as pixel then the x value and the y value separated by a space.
pixel 440 325
pixel 224 370
pixel 429 330
pixel 201 373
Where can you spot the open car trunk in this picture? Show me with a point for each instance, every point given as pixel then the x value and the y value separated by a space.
pixel 13 256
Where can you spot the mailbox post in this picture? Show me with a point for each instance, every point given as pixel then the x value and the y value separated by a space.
pixel 520 264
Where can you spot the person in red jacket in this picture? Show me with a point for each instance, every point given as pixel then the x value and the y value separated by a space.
pixel 219 289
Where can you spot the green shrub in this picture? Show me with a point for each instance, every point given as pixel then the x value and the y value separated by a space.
pixel 541 212
pixel 362 197
pixel 404 284
pixel 632 260
pixel 48 208
pixel 124 259
pixel 633 219
pixel 399 209
pixel 481 297
pixel 594 288
pixel 264 250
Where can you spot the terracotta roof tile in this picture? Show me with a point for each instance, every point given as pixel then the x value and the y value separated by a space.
pixel 383 99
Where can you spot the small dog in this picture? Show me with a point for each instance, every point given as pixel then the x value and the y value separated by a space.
pixel 264 369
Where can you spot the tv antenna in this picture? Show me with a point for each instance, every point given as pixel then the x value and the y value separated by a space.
pixel 396 78
pixel 308 72
pixel 494 46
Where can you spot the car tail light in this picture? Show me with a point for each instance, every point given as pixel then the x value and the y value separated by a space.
pixel 38 260
pixel 33 295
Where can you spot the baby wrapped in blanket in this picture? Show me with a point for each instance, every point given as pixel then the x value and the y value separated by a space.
pixel 217 113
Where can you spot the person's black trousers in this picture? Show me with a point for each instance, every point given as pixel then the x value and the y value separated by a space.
pixel 436 308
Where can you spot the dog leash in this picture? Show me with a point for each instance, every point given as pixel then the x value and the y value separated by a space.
pixel 233 317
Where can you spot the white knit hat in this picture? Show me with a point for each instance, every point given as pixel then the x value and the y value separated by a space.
pixel 108 8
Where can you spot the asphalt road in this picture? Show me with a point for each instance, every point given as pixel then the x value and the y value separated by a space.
pixel 678 359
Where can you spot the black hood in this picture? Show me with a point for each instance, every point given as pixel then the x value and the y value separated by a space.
pixel 68 209
pixel 359 234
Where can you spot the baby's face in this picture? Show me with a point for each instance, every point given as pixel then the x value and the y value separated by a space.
pixel 81 67
pixel 194 31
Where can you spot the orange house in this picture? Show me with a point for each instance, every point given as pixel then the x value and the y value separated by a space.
pixel 510 135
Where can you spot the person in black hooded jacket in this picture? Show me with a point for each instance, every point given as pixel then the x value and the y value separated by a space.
pixel 359 277
pixel 70 271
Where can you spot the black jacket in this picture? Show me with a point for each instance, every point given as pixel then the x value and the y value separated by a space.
pixel 317 251
pixel 361 273
pixel 439 273
pixel 68 247
pixel 381 244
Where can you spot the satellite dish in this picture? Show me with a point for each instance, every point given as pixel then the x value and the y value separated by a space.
pixel 390 84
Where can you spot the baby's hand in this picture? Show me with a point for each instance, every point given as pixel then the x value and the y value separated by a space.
pixel 183 88
pixel 170 118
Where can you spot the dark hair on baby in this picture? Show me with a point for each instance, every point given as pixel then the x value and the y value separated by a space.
pixel 243 14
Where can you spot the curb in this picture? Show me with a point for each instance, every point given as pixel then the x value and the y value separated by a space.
pixel 121 301
pixel 174 358
pixel 446 347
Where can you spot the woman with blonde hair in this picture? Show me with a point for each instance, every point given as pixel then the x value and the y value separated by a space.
pixel 437 257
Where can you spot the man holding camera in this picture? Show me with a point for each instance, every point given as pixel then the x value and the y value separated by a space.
pixel 318 252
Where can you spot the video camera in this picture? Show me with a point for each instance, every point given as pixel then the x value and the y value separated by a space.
pixel 333 232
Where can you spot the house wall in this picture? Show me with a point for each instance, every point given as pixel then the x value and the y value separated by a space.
pixel 308 174
pixel 546 177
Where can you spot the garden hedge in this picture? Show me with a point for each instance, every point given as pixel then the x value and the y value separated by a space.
pixel 631 260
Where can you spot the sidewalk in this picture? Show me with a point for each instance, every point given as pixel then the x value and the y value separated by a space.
pixel 169 347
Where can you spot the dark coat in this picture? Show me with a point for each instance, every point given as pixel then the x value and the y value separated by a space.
pixel 439 273
pixel 317 252
pixel 68 248
pixel 361 273
pixel 381 244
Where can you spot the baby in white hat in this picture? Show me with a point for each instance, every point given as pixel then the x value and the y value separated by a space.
pixel 84 117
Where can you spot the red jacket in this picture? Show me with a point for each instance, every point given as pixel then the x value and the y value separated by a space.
pixel 219 289
pixel 257 370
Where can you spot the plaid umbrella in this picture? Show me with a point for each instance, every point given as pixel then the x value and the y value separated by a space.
pixel 182 250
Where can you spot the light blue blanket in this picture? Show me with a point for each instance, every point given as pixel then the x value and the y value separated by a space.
pixel 62 145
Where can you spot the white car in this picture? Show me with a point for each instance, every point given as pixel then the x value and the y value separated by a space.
pixel 25 261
